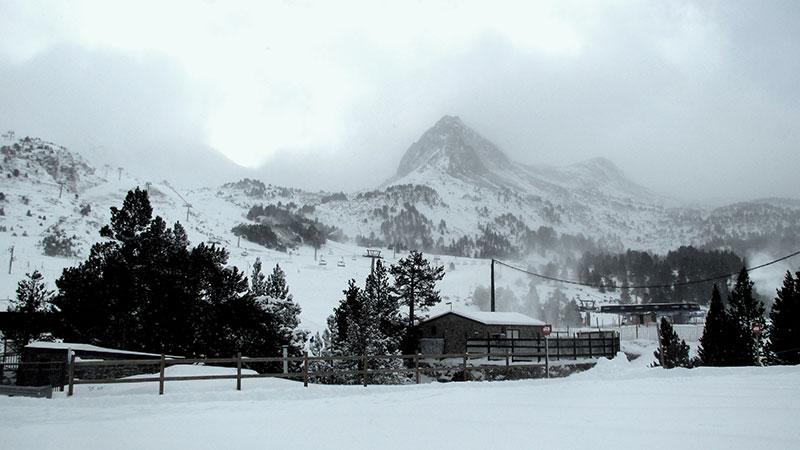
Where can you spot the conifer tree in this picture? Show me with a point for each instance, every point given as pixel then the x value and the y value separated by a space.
pixel 32 301
pixel 676 352
pixel 784 329
pixel 387 309
pixel 415 287
pixel 276 284
pixel 258 284
pixel 146 289
pixel 366 322
pixel 714 344
pixel 283 313
pixel 746 310
pixel 532 304
pixel 348 309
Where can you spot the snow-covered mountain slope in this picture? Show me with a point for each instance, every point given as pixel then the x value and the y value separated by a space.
pixel 460 184
pixel 455 195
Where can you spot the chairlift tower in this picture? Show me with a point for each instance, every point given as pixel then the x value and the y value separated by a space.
pixel 373 254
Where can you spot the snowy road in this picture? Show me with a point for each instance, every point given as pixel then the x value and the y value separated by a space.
pixel 615 405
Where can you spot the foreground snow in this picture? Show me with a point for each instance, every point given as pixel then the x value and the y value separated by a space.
pixel 615 405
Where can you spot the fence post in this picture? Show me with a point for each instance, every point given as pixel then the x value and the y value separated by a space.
pixel 507 368
pixel 161 376
pixel 547 356
pixel 464 366
pixel 71 376
pixel 558 349
pixel 285 360
pixel 575 347
pixel 239 371
pixel 416 366
pixel 305 369
pixel 590 343
pixel 366 368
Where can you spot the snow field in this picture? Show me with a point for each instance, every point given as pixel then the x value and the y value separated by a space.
pixel 617 404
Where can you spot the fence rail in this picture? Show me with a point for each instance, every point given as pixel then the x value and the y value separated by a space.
pixel 463 363
pixel 590 345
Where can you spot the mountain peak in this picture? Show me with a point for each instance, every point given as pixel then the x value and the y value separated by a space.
pixel 449 121
pixel 452 147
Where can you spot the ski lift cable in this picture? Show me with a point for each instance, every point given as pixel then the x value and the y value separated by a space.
pixel 651 286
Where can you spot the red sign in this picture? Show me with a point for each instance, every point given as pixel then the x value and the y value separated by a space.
pixel 756 328
pixel 547 329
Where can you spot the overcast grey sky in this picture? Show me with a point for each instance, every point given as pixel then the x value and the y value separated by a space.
pixel 695 99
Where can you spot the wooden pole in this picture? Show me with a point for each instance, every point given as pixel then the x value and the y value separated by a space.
pixel 161 376
pixel 305 369
pixel 558 348
pixel 590 343
pixel 285 360
pixel 575 347
pixel 239 371
pixel 416 366
pixel 11 260
pixel 366 366
pixel 547 356
pixel 71 376
pixel 660 347
pixel 464 367
pixel 492 271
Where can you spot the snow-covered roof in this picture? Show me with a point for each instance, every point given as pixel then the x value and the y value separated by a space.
pixel 87 348
pixel 494 318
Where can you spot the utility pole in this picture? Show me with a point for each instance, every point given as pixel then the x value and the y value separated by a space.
pixel 120 173
pixel 492 305
pixel 11 260
pixel 60 189
pixel 188 207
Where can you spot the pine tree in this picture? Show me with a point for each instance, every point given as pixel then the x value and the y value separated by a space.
pixel 276 284
pixel 532 306
pixel 415 286
pixel 33 300
pixel 571 314
pixel 258 285
pixel 745 311
pixel 366 322
pixel 784 330
pixel 283 314
pixel 714 344
pixel 676 352
pixel 132 219
pixel 146 289
pixel 625 294
pixel 387 309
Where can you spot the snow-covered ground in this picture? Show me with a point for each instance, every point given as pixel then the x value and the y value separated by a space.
pixel 617 404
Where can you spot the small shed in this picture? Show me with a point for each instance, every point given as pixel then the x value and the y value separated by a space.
pixel 45 363
pixel 448 332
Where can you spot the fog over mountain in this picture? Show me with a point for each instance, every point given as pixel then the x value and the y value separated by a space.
pixel 697 100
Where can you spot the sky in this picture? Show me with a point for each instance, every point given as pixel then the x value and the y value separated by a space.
pixel 699 100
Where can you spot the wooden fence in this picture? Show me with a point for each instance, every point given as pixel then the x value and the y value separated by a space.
pixel 588 345
pixel 413 366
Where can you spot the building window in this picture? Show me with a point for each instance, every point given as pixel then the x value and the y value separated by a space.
pixel 512 334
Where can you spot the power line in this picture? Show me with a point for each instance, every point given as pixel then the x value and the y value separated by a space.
pixel 653 286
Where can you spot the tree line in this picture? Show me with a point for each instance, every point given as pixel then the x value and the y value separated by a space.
pixel 736 332
pixel 637 268
pixel 145 288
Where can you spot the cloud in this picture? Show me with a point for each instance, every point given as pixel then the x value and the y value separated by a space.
pixel 697 99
